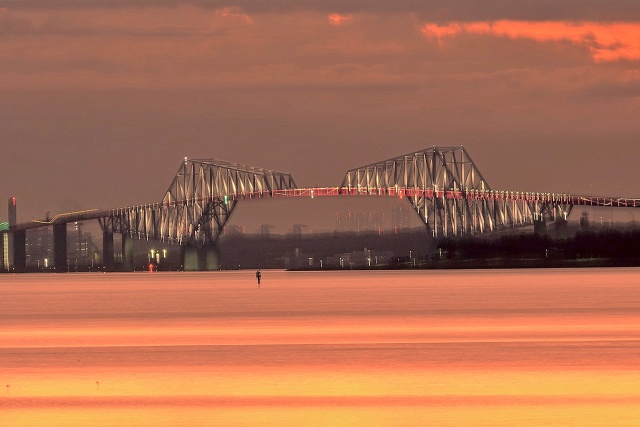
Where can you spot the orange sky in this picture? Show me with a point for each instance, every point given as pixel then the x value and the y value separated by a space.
pixel 604 41
pixel 272 83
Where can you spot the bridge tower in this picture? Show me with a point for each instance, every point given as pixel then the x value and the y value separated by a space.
pixel 451 196
pixel 427 174
pixel 196 207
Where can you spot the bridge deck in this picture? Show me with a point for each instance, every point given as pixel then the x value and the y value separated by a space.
pixel 312 192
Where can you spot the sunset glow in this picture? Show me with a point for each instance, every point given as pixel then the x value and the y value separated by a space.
pixel 605 42
pixel 228 12
pixel 336 19
pixel 350 348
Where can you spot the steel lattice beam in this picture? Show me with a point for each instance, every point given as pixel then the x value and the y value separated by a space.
pixel 443 185
pixel 199 201
pixel 449 193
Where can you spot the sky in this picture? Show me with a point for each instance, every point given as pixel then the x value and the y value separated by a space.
pixel 101 100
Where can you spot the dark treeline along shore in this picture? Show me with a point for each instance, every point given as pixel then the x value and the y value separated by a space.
pixel 321 250
pixel 415 249
pixel 602 248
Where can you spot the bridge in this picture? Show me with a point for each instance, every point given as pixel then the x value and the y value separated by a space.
pixel 442 184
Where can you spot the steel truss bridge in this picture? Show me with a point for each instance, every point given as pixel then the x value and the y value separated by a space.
pixel 442 184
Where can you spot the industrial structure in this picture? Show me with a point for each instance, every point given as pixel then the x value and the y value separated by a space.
pixel 442 184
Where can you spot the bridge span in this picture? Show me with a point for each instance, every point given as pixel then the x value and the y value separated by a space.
pixel 443 185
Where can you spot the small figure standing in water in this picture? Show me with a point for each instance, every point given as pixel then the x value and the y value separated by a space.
pixel 258 277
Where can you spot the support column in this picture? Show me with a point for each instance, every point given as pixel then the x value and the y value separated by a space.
pixel 562 229
pixel 60 247
pixel 19 251
pixel 200 258
pixel 211 257
pixel 539 227
pixel 127 252
pixel 107 250
pixel 189 255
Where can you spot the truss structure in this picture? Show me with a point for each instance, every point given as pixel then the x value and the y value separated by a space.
pixel 450 195
pixel 199 201
pixel 443 185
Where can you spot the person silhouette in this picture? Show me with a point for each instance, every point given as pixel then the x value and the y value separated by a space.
pixel 258 276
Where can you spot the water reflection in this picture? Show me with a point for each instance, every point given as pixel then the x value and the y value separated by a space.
pixel 526 347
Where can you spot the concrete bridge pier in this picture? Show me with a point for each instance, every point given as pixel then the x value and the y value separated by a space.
pixel 19 251
pixel 539 227
pixel 60 247
pixel 200 257
pixel 107 250
pixel 211 258
pixel 562 229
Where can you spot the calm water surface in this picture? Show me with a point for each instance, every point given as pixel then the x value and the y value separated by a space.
pixel 442 348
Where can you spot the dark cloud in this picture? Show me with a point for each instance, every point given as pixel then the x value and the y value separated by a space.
pixel 433 10
pixel 609 89
pixel 11 25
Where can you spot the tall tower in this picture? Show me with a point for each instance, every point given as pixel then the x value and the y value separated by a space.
pixel 7 238
pixel 4 247
pixel 13 214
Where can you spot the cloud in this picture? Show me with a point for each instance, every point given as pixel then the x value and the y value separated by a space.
pixel 615 89
pixel 337 19
pixel 605 42
pixel 433 10
pixel 83 23
pixel 229 12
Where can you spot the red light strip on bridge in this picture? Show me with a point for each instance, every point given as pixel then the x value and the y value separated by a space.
pixel 490 195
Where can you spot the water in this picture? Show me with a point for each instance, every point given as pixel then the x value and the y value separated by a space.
pixel 449 348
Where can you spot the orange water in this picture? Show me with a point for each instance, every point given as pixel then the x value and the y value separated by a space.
pixel 450 348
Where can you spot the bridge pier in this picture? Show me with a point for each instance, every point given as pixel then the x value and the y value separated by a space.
pixel 562 229
pixel 107 250
pixel 127 252
pixel 540 227
pixel 108 253
pixel 60 247
pixel 189 255
pixel 200 258
pixel 211 258
pixel 19 251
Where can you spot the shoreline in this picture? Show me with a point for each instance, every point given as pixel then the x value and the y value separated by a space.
pixel 494 263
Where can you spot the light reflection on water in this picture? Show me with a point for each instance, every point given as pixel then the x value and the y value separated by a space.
pixel 516 347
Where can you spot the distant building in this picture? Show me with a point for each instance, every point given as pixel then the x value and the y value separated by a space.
pixel 359 259
pixel 4 251
pixel 401 217
pixel 584 220
pixel 81 250
pixel 7 238
pixel 298 259
pixel 359 221
pixel 39 248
